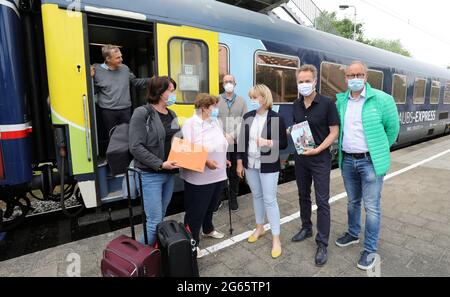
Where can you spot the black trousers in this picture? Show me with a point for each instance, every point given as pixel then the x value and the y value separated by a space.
pixel 315 168
pixel 114 117
pixel 233 178
pixel 199 204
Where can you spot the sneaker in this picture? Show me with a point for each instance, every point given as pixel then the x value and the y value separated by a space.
pixel 234 205
pixel 200 253
pixel 217 207
pixel 367 261
pixel 215 234
pixel 346 240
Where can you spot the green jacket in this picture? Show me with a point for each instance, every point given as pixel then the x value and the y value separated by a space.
pixel 380 122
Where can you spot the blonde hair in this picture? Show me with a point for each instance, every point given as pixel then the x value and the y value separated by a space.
pixel 264 92
pixel 205 100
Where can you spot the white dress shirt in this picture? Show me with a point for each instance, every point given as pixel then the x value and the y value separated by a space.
pixel 354 140
pixel 254 151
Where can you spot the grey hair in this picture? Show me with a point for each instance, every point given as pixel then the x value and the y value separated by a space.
pixel 307 67
pixel 366 69
pixel 108 49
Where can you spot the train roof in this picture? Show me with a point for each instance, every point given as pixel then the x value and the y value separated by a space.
pixel 221 17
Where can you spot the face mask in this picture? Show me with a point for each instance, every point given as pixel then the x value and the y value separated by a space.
pixel 214 113
pixel 229 88
pixel 356 84
pixel 254 105
pixel 305 89
pixel 171 100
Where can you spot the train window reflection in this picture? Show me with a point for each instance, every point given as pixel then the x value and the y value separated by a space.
pixel 375 79
pixel 435 90
pixel 419 91
pixel 399 88
pixel 447 93
pixel 188 61
pixel 278 73
pixel 332 79
pixel 224 64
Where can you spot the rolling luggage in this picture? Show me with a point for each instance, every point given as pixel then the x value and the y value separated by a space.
pixel 117 153
pixel 126 257
pixel 178 250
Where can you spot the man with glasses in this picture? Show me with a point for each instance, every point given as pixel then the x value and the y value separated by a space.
pixel 232 108
pixel 369 127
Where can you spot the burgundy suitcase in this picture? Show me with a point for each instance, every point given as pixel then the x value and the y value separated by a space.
pixel 126 257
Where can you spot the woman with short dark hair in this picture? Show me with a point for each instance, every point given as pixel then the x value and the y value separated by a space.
pixel 202 189
pixel 152 127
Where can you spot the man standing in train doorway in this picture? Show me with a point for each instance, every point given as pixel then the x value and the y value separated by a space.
pixel 369 127
pixel 112 84
pixel 232 108
pixel 314 164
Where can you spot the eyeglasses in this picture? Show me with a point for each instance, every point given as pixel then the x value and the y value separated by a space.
pixel 359 75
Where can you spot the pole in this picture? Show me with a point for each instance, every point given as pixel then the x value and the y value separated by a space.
pixel 354 25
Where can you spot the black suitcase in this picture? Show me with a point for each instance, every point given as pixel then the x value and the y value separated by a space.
pixel 178 250
pixel 117 153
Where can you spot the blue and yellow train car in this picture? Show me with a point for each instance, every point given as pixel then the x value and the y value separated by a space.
pixel 195 42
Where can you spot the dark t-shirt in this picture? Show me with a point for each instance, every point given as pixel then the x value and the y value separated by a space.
pixel 320 116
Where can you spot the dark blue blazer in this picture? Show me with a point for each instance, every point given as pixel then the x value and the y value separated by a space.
pixel 270 157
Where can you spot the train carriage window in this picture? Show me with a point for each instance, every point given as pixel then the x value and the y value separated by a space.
pixel 447 93
pixel 188 66
pixel 399 88
pixel 435 90
pixel 375 79
pixel 332 79
pixel 224 64
pixel 419 91
pixel 278 73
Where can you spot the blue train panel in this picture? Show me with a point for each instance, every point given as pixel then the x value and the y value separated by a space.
pixel 14 127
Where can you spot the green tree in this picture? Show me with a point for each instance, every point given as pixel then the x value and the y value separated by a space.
pixel 328 22
pixel 394 45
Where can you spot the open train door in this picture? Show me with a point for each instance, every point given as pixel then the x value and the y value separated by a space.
pixel 71 102
pixel 191 57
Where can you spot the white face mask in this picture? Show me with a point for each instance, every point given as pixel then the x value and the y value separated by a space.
pixel 305 89
pixel 229 87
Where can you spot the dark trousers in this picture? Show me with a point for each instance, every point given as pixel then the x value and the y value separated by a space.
pixel 232 174
pixel 315 168
pixel 199 204
pixel 114 117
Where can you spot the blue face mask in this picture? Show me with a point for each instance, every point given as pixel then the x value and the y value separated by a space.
pixel 254 105
pixel 172 99
pixel 214 113
pixel 356 84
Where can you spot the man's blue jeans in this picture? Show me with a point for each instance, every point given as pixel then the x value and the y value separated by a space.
pixel 158 189
pixel 362 184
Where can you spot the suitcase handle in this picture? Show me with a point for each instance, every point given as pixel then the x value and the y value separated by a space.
pixel 130 209
pixel 131 243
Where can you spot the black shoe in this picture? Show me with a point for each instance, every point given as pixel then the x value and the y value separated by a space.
pixel 234 205
pixel 367 261
pixel 321 255
pixel 346 240
pixel 302 235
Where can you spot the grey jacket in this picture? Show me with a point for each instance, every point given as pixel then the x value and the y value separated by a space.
pixel 147 136
pixel 231 118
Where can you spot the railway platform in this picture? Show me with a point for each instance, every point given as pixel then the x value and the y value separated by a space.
pixel 415 231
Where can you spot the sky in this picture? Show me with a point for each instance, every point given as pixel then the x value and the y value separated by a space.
pixel 423 27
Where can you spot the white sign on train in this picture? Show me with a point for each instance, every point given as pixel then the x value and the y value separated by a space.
pixel 410 117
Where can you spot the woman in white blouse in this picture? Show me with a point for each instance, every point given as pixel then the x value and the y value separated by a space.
pixel 263 135
pixel 202 189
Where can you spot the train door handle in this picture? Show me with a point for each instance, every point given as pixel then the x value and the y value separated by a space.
pixel 86 129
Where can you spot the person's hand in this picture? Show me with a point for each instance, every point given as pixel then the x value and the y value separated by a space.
pixel 310 152
pixel 92 71
pixel 228 163
pixel 230 138
pixel 211 164
pixel 169 165
pixel 240 169
pixel 264 142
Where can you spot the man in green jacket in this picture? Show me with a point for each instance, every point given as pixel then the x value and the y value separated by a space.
pixel 369 126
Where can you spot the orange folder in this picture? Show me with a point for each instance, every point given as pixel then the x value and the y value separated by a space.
pixel 188 155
